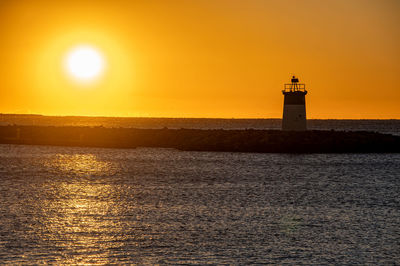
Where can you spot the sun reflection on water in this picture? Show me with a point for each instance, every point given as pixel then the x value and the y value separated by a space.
pixel 80 164
pixel 83 210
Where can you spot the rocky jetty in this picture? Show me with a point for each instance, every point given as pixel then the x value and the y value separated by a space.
pixel 267 141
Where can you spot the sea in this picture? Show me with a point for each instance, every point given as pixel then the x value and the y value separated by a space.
pixel 151 206
pixel 387 126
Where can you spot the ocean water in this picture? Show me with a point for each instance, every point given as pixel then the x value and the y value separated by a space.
pixel 389 126
pixel 65 205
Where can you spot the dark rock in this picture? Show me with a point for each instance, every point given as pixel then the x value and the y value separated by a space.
pixel 249 140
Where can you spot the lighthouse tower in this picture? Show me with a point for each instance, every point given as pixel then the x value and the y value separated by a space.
pixel 294 106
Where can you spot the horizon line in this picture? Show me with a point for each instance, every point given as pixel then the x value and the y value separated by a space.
pixel 175 117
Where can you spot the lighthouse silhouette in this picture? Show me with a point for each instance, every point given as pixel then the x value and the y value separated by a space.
pixel 294 106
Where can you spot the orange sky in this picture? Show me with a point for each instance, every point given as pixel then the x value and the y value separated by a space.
pixel 203 58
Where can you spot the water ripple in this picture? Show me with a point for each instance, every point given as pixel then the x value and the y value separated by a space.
pixel 159 206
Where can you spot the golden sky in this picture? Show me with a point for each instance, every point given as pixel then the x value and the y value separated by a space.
pixel 216 58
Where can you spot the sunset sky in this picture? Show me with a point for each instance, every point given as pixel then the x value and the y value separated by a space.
pixel 211 58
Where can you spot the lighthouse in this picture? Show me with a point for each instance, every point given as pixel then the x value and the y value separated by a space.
pixel 294 106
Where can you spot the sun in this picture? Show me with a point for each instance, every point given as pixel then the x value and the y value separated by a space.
pixel 84 63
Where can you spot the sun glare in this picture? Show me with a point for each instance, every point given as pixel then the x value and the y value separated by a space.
pixel 84 63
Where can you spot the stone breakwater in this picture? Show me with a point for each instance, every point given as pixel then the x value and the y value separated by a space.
pixel 267 141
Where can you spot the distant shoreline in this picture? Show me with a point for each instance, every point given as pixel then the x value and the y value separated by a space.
pixel 387 126
pixel 250 140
